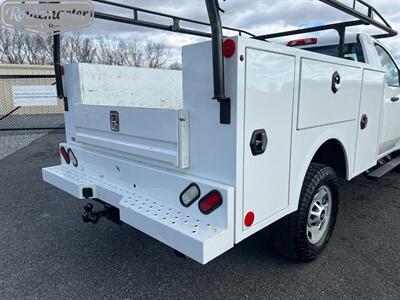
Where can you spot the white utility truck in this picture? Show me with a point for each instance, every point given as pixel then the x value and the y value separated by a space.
pixel 201 175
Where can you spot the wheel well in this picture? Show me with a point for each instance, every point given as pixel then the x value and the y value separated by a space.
pixel 331 153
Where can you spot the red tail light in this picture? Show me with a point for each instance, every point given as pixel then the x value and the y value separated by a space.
pixel 303 42
pixel 210 202
pixel 65 155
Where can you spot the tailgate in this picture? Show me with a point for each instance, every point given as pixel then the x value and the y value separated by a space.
pixel 135 113
pixel 156 134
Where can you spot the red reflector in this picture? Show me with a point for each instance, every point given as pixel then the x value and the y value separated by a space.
pixel 65 155
pixel 303 42
pixel 249 219
pixel 229 48
pixel 62 70
pixel 210 202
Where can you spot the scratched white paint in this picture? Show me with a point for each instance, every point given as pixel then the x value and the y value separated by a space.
pixel 131 87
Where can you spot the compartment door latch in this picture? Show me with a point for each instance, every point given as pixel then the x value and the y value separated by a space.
pixel 336 82
pixel 364 121
pixel 114 121
pixel 259 141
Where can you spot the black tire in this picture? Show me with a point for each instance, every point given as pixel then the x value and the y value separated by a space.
pixel 290 233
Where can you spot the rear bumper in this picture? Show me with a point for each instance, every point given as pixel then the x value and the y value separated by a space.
pixel 186 230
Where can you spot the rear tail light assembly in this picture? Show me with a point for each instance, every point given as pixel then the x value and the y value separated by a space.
pixel 68 156
pixel 72 158
pixel 190 195
pixel 210 202
pixel 65 155
pixel 207 204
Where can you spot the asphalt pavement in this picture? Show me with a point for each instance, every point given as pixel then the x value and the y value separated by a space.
pixel 47 252
pixel 13 140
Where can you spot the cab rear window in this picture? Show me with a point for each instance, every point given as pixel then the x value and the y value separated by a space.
pixel 352 52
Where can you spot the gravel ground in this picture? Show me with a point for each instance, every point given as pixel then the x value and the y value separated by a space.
pixel 47 252
pixel 11 141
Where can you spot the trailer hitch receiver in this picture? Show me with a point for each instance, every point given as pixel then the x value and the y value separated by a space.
pixel 90 216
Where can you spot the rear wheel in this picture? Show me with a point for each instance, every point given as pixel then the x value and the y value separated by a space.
pixel 303 234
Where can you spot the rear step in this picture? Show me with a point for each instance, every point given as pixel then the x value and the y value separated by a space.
pixel 193 235
pixel 384 168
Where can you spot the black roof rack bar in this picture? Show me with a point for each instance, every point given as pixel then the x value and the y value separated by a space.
pixel 175 26
pixel 213 10
pixel 310 29
pixel 131 21
pixel 361 16
pixel 339 27
pixel 383 36
pixel 362 19
pixel 57 70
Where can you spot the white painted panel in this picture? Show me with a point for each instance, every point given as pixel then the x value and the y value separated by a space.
pixel 390 131
pixel 212 145
pixel 268 105
pixel 318 105
pixel 156 134
pixel 129 86
pixel 371 105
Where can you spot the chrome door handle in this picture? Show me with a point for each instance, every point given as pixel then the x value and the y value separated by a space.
pixel 395 99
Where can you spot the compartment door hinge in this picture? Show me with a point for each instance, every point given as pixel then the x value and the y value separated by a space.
pixel 225 111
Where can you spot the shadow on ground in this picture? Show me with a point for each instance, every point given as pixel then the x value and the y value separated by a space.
pixel 47 252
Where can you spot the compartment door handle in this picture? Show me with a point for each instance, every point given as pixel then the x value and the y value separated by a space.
pixel 258 142
pixel 364 121
pixel 336 82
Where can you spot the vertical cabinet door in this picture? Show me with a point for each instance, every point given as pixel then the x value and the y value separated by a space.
pixel 269 92
pixel 369 121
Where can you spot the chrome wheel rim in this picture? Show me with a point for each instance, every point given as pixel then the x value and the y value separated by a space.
pixel 319 215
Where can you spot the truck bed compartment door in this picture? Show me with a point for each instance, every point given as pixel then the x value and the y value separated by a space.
pixel 329 93
pixel 369 121
pixel 269 96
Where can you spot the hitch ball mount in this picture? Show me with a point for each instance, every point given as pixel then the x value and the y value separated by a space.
pixel 109 212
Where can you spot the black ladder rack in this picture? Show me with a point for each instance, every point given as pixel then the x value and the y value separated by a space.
pixel 217 36
pixel 361 19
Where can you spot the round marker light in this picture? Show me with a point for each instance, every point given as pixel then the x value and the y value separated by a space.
pixel 249 219
pixel 190 195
